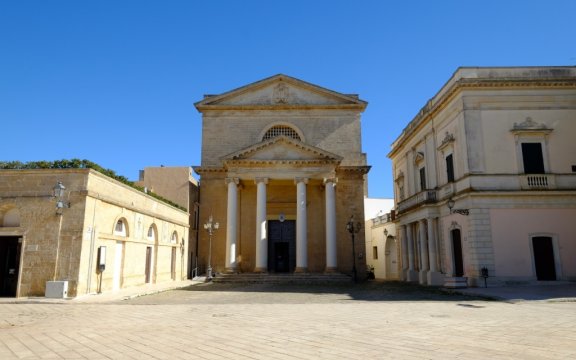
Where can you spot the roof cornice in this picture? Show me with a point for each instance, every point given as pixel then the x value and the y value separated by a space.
pixel 454 87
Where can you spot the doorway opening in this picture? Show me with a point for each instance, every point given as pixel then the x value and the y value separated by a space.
pixel 10 251
pixel 457 253
pixel 544 258
pixel 281 246
pixel 148 265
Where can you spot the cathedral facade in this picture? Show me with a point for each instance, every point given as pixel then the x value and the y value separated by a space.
pixel 283 173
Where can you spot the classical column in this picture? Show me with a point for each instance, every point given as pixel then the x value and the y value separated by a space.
pixel 261 233
pixel 231 223
pixel 432 245
pixel 404 251
pixel 423 251
pixel 411 274
pixel 331 262
pixel 434 276
pixel 301 226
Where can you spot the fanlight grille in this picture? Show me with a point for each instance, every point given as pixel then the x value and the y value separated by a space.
pixel 279 130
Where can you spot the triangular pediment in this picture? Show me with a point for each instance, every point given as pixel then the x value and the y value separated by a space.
pixel 280 91
pixel 281 149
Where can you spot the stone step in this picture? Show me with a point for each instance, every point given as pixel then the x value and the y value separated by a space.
pixel 282 278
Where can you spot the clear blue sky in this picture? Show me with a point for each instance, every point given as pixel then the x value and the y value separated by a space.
pixel 114 82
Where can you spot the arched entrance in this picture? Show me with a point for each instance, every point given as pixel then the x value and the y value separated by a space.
pixel 457 257
pixel 543 250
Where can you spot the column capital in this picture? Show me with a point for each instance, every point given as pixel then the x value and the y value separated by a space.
pixel 300 179
pixel 330 180
pixel 232 180
pixel 260 180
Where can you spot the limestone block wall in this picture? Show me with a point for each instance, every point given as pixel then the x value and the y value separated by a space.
pixel 64 247
pixel 334 131
pixel 139 212
pixel 350 202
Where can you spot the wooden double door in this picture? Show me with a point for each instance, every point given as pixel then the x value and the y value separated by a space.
pixel 281 246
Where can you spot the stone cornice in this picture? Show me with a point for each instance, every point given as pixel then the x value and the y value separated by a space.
pixel 252 162
pixel 204 108
pixel 355 169
pixel 208 169
pixel 244 153
pixel 445 95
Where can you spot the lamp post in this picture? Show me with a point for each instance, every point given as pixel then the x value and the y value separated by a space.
pixel 353 228
pixel 58 193
pixel 451 204
pixel 210 226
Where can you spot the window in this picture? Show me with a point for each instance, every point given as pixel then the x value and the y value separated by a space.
pixel 450 168
pixel 532 158
pixel 174 238
pixel 151 233
pixel 422 178
pixel 120 228
pixel 375 252
pixel 281 130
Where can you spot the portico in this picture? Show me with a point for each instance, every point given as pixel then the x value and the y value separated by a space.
pixel 281 167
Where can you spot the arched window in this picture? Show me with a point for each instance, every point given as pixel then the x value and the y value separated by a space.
pixel 281 130
pixel 151 236
pixel 174 238
pixel 11 218
pixel 120 228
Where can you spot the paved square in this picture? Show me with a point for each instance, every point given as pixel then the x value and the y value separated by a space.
pixel 218 321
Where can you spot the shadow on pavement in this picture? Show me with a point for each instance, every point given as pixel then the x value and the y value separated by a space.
pixel 219 293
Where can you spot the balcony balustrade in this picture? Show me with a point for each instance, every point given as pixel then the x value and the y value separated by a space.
pixel 421 198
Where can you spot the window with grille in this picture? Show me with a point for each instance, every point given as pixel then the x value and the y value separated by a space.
pixel 281 130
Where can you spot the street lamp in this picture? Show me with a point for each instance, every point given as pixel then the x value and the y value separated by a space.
pixel 451 204
pixel 58 193
pixel 210 226
pixel 353 228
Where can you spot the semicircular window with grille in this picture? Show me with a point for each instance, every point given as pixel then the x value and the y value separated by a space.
pixel 280 130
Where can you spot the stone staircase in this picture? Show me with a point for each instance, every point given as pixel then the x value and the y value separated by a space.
pixel 283 278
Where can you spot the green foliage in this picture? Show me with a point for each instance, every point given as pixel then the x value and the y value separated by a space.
pixel 79 164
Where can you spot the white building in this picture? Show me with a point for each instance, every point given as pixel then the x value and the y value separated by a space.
pixel 485 177
pixel 381 242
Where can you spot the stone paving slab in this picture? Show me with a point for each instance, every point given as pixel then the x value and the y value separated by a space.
pixel 359 322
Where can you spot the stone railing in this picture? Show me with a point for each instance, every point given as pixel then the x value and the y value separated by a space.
pixel 382 219
pixel 537 182
pixel 421 198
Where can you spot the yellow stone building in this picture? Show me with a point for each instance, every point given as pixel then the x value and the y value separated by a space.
pixel 282 172
pixel 98 235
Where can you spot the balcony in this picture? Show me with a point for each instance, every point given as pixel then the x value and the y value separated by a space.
pixel 423 197
pixel 383 219
pixel 537 182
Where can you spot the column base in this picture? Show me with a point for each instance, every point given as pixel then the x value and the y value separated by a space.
pixel 411 276
pixel 423 277
pixel 231 270
pixel 435 278
pixel 330 270
pixel 301 270
pixel 260 270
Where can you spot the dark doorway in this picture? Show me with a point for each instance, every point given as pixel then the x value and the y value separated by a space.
pixel 544 258
pixel 457 252
pixel 281 245
pixel 148 263
pixel 10 248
